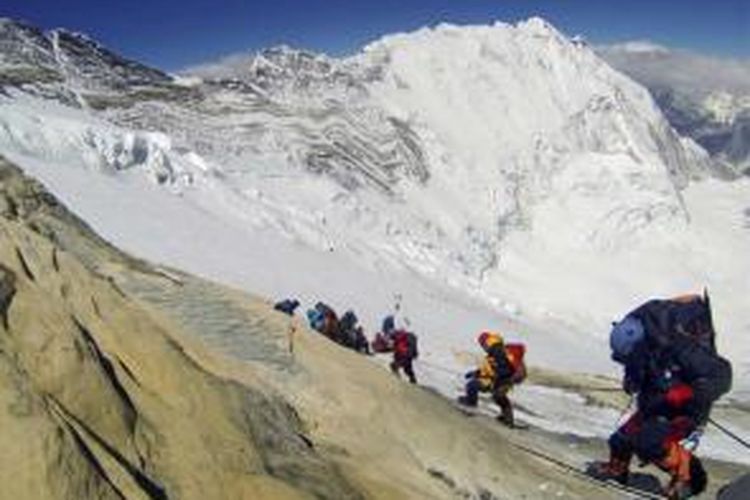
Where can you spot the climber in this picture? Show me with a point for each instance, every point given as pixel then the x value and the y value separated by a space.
pixel 502 368
pixel 404 353
pixel 323 319
pixel 672 369
pixel 383 341
pixel 287 306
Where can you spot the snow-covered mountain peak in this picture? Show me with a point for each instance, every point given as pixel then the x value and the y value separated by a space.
pixel 539 26
pixel 494 94
pixel 90 65
pixel 23 47
pixel 70 67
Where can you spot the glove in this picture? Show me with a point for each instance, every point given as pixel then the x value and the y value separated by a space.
pixel 691 442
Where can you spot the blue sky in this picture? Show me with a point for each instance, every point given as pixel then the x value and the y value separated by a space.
pixel 172 34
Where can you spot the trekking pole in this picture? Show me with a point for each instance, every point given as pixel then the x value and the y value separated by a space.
pixel 729 433
pixel 290 338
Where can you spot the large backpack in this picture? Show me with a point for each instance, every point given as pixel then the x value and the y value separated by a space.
pixel 330 320
pixel 687 315
pixel 515 353
pixel 382 343
pixel 412 340
pixel 348 321
pixel 316 319
pixel 287 306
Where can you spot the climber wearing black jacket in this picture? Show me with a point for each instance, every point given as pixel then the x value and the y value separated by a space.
pixel 676 375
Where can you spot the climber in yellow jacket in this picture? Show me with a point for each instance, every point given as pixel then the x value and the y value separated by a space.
pixel 502 367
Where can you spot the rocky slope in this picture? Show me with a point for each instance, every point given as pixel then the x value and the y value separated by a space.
pixel 104 397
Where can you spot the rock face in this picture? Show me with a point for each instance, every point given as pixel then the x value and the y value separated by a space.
pixel 72 68
pixel 106 402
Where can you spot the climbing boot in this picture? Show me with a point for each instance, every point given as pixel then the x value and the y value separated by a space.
pixel 617 469
pixel 466 401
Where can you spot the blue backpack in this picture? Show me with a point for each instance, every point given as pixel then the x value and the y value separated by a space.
pixel 316 319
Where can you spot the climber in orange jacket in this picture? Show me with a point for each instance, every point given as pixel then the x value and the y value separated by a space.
pixel 502 368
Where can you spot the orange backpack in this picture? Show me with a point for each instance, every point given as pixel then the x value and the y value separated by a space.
pixel 515 353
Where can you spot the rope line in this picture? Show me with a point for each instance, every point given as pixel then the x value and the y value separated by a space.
pixel 729 433
pixel 635 492
pixel 572 387
pixel 719 426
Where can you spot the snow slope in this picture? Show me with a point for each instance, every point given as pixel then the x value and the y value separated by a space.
pixel 496 176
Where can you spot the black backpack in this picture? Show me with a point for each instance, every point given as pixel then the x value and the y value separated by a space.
pixel 349 320
pixel 688 316
pixel 412 342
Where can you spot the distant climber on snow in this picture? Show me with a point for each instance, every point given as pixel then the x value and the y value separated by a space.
pixel 672 369
pixel 360 341
pixel 323 319
pixel 351 334
pixel 383 341
pixel 287 306
pixel 502 368
pixel 404 353
pixel 389 325
pixel 347 328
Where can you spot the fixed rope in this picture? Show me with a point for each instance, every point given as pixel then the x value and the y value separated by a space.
pixel 572 387
pixel 729 433
pixel 629 490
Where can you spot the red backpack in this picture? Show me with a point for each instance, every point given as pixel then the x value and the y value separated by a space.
pixel 405 344
pixel 515 353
